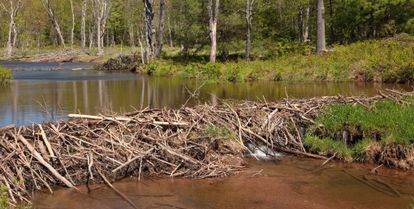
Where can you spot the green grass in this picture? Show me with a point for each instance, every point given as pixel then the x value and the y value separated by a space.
pixel 5 75
pixel 382 123
pixel 392 121
pixel 327 147
pixel 389 60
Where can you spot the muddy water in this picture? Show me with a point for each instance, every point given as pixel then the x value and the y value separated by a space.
pixel 289 183
pixel 49 91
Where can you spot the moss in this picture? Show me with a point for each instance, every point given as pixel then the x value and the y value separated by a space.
pixel 5 75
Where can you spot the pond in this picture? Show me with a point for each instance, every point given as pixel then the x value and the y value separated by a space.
pixel 288 183
pixel 50 91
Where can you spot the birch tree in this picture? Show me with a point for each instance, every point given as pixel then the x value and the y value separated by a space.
pixel 12 9
pixel 320 37
pixel 54 20
pixel 249 17
pixel 149 29
pixel 213 14
pixel 83 24
pixel 101 13
pixel 72 31
pixel 161 25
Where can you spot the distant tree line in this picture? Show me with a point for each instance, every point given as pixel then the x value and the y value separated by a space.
pixel 220 26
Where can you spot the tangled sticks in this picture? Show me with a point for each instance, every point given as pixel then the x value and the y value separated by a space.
pixel 200 142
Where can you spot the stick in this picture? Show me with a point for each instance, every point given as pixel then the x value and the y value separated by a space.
pixel 44 163
pixel 116 190
pixel 49 147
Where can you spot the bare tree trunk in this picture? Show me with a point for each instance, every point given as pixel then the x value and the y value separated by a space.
pixel 160 29
pixel 170 33
pixel 149 30
pixel 102 13
pixel 131 34
pixel 213 15
pixel 12 11
pixel 55 22
pixel 141 47
pixel 305 27
pixel 249 17
pixel 321 39
pixel 72 31
pixel 83 24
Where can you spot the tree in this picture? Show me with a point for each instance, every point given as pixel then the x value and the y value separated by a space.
pixel 72 31
pixel 320 37
pixel 12 10
pixel 249 17
pixel 53 19
pixel 101 13
pixel 83 24
pixel 213 19
pixel 149 28
pixel 161 25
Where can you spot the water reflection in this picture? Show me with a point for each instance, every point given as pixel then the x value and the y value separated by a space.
pixel 30 98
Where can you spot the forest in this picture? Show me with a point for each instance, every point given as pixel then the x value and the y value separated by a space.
pixel 241 28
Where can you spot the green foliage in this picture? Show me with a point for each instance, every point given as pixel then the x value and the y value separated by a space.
pixel 5 75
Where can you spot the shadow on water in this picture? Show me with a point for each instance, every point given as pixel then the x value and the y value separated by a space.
pixel 285 184
pixel 49 91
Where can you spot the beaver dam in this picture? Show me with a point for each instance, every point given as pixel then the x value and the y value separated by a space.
pixel 200 142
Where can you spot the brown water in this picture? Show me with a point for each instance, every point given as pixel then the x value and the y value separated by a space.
pixel 291 183
pixel 49 91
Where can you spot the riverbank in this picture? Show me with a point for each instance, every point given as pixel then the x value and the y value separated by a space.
pixel 200 142
pixel 388 60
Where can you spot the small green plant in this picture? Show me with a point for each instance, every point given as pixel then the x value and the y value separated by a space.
pixel 4 197
pixel 220 132
pixel 5 75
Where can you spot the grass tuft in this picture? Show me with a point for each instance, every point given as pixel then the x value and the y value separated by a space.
pixel 5 75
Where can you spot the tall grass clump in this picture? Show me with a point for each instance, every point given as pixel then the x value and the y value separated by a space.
pixel 385 122
pixel 5 75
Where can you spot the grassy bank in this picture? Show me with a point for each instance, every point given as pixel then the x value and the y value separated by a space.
pixel 359 133
pixel 5 75
pixel 388 60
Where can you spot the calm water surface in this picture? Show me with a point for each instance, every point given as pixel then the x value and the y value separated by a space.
pixel 291 183
pixel 49 91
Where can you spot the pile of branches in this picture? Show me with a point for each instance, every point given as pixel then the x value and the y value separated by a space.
pixel 200 142
pixel 121 63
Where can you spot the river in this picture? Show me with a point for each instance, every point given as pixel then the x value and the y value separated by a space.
pixel 49 91
pixel 288 183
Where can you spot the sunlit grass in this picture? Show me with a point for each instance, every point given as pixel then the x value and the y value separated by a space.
pixel 388 60
pixel 381 123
